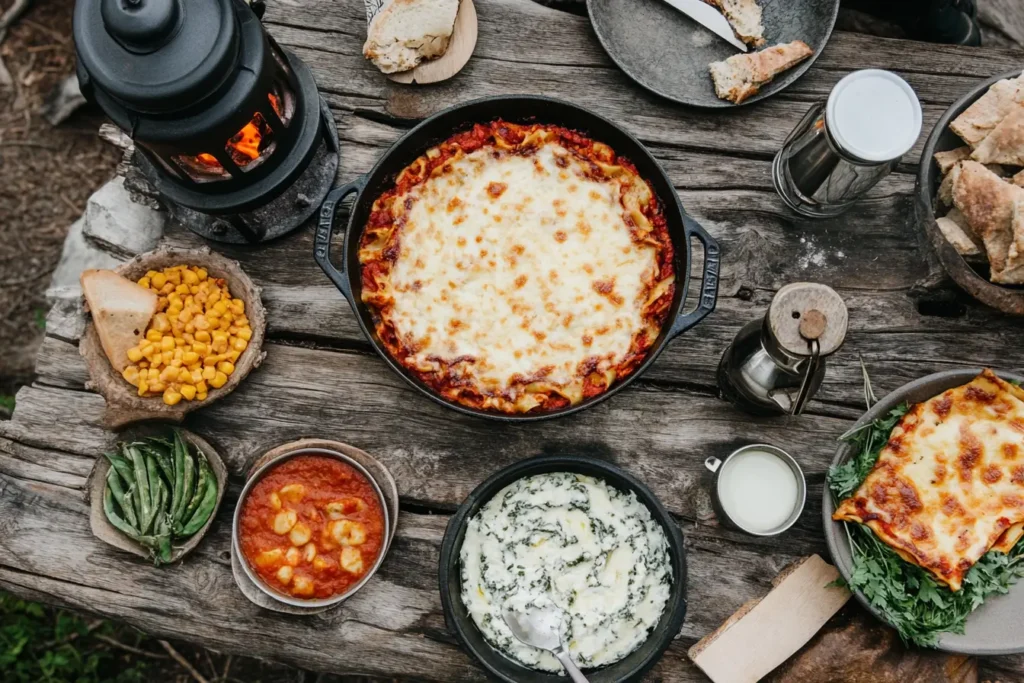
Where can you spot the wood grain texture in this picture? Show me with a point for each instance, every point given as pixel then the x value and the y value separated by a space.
pixel 320 378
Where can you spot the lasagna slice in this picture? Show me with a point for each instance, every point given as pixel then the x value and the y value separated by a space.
pixel 949 484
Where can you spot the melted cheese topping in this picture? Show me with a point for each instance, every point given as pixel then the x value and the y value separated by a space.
pixel 522 268
pixel 949 484
pixel 575 542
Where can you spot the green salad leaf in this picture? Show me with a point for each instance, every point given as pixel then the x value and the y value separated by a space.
pixel 914 603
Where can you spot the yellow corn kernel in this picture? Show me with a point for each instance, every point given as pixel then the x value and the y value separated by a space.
pixel 153 374
pixel 189 357
pixel 148 350
pixel 175 363
pixel 245 333
pixel 211 361
pixel 168 356
pixel 201 387
pixel 188 392
pixel 184 376
pixel 233 355
pixel 186 315
pixel 196 375
pixel 213 298
pixel 201 274
pixel 182 289
pixel 221 307
pixel 143 365
pixel 189 339
pixel 173 275
pixel 199 347
pixel 239 344
pixel 209 373
pixel 143 387
pixel 131 375
pixel 144 282
pixel 134 354
pixel 203 336
pixel 156 361
pixel 220 346
pixel 158 280
pixel 175 299
pixel 189 329
pixel 167 288
pixel 154 335
pixel 150 274
pixel 173 311
pixel 226 367
pixel 161 322
pixel 178 341
pixel 167 344
pixel 169 374
pixel 157 387
pixel 189 277
pixel 218 380
pixel 201 322
pixel 171 397
pixel 237 306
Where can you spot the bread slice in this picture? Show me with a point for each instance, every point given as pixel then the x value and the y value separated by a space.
pixel 1005 144
pixel 956 236
pixel 980 118
pixel 121 311
pixel 946 160
pixel 987 202
pixel 741 76
pixel 406 32
pixel 745 18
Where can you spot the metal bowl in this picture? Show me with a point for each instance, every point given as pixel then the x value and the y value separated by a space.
pixel 461 623
pixel 718 466
pixel 995 628
pixel 256 476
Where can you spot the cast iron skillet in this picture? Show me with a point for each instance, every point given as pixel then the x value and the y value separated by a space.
pixel 518 109
pixel 450 574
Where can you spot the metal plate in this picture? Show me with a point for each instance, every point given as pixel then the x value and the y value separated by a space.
pixel 995 628
pixel 668 53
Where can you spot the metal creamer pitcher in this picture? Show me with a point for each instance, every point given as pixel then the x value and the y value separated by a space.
pixel 775 365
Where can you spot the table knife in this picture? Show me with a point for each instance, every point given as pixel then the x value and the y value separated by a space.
pixel 710 18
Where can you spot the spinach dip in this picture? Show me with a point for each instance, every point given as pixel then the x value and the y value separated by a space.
pixel 575 542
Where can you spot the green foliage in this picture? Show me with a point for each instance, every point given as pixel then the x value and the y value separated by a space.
pixel 914 603
pixel 43 645
pixel 7 402
pixel 40 317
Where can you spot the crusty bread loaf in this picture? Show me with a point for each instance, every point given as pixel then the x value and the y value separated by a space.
pixel 946 160
pixel 405 32
pixel 121 311
pixel 980 118
pixel 956 236
pixel 741 76
pixel 987 202
pixel 1005 144
pixel 745 18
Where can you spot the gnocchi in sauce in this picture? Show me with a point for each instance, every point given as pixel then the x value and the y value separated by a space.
pixel 312 527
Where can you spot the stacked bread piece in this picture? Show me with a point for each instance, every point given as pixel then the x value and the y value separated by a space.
pixel 983 185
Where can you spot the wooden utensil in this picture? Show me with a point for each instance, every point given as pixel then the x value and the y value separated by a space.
pixel 764 633
pixel 462 44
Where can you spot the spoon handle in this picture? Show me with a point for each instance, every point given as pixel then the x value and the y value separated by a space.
pixel 574 672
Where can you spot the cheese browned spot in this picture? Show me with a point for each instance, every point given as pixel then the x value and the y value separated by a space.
pixel 550 252
pixel 947 488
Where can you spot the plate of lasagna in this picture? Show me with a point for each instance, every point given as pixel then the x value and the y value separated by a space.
pixel 924 511
pixel 672 55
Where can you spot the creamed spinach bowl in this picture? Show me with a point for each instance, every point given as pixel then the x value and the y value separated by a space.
pixel 572 531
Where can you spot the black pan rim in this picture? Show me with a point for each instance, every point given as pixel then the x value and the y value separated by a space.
pixel 780 85
pixel 675 610
pixel 671 205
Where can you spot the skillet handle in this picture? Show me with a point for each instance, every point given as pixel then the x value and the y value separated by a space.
pixel 325 231
pixel 709 281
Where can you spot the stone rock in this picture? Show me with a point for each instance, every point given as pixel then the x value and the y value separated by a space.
pixel 118 225
pixel 78 254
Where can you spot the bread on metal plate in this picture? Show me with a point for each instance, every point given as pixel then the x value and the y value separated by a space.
pixel 406 32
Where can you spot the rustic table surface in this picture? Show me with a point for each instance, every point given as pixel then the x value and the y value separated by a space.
pixel 321 379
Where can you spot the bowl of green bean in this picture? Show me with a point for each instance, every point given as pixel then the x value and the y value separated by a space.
pixel 156 493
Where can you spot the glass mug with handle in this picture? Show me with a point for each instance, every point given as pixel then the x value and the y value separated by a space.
pixel 843 146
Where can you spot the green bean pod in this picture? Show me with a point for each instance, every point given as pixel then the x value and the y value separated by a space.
pixel 178 483
pixel 193 488
pixel 116 519
pixel 154 481
pixel 143 495
pixel 163 462
pixel 123 467
pixel 205 509
pixel 115 487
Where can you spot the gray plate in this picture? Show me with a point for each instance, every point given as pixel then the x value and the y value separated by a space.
pixel 668 53
pixel 995 628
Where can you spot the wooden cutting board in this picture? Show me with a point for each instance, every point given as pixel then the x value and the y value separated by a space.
pixel 764 633
pixel 460 48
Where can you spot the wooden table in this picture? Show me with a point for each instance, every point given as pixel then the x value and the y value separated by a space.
pixel 321 379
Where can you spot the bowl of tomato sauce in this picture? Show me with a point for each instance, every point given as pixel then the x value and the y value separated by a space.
pixel 311 527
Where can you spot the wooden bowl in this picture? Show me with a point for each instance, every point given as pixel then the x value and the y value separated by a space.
pixel 124 405
pixel 1008 299
pixel 108 533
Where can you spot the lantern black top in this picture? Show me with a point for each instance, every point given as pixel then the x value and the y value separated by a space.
pixel 156 56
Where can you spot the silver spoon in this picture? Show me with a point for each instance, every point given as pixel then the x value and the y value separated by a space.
pixel 540 627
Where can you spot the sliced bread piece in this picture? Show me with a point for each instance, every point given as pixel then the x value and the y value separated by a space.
pixel 405 32
pixel 745 18
pixel 980 118
pixel 1013 274
pixel 956 236
pixel 987 202
pixel 741 76
pixel 1005 144
pixel 946 160
pixel 121 311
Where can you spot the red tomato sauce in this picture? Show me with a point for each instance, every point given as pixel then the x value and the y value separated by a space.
pixel 312 527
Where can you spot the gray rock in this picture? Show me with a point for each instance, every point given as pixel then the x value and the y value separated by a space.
pixel 78 255
pixel 118 225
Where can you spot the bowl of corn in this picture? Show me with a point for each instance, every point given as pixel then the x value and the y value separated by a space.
pixel 204 338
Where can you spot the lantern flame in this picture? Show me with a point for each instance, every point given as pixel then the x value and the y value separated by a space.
pixel 244 146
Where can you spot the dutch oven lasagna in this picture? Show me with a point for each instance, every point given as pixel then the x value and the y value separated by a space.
pixel 949 484
pixel 518 268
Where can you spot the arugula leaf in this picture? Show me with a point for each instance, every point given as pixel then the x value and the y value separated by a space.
pixel 908 597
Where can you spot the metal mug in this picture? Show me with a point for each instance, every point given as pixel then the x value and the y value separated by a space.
pixel 717 466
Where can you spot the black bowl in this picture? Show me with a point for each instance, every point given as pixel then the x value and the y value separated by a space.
pixel 460 623
pixel 1008 299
